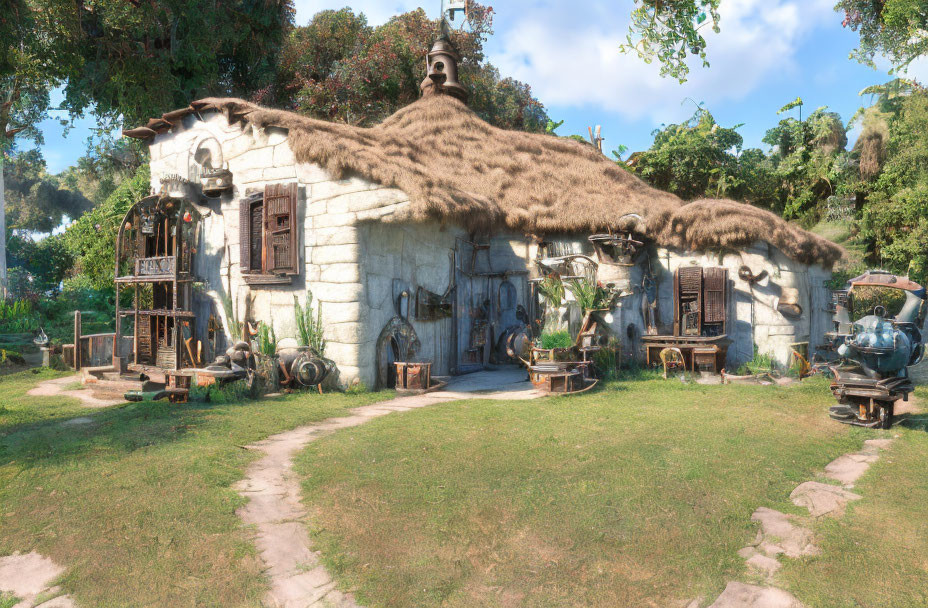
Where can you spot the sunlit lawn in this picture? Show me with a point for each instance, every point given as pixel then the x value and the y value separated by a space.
pixel 638 495
pixel 137 504
pixel 18 410
pixel 878 554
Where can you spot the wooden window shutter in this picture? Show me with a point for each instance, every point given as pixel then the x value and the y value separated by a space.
pixel 716 280
pixel 281 236
pixel 244 234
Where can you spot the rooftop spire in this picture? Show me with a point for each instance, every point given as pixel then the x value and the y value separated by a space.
pixel 442 70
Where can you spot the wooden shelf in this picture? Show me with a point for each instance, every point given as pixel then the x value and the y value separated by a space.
pixel 158 313
pixel 267 279
pixel 155 279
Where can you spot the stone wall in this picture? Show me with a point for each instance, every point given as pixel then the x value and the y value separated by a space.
pixel 353 251
pixel 754 318
pixel 329 213
pixel 752 314
pixel 397 256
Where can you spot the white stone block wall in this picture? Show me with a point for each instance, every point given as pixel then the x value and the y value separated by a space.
pixel 329 213
pixel 752 313
pixel 354 245
pixel 414 255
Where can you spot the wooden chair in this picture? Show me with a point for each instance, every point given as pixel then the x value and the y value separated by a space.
pixel 672 359
pixel 803 366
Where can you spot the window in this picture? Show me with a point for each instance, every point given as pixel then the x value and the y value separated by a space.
pixel 700 301
pixel 269 235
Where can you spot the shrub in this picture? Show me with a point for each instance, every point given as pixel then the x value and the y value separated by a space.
pixel 556 339
pixel 18 316
pixel 758 365
pixel 91 240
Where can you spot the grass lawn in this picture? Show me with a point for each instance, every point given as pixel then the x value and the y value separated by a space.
pixel 17 410
pixel 637 495
pixel 878 554
pixel 137 503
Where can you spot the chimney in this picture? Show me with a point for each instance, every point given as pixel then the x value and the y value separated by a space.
pixel 442 71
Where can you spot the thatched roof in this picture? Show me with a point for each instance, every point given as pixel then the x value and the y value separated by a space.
pixel 456 168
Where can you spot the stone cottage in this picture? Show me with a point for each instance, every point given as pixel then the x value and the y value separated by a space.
pixel 419 237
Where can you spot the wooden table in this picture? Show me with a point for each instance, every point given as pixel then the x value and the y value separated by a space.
pixel 693 348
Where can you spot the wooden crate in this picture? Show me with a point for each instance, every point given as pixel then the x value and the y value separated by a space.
pixel 705 359
pixel 413 376
pixel 558 382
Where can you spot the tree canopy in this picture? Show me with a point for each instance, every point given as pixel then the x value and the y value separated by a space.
pixel 671 31
pixel 894 29
pixel 338 67
pixel 35 200
pixel 895 218
pixel 91 240
pixel 140 59
pixel 804 167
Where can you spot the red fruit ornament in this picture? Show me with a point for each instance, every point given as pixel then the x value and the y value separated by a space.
pixel 188 217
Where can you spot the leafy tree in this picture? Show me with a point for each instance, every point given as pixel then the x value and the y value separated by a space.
pixel 40 265
pixel 104 166
pixel 895 29
pixel 339 68
pixel 37 201
pixel 91 240
pixel 137 59
pixel 26 68
pixel 692 159
pixel 895 217
pixel 809 159
pixel 669 30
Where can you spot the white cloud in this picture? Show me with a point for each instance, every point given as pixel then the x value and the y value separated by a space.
pixel 568 50
pixel 917 70
pixel 569 53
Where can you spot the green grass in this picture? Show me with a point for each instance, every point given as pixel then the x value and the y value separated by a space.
pixel 137 504
pixel 8 600
pixel 877 555
pixel 854 263
pixel 638 495
pixel 17 410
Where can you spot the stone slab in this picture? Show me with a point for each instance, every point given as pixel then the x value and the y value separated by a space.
pixel 822 498
pixel 742 595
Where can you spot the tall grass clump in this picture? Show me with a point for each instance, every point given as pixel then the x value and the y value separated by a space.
pixel 267 339
pixel 235 327
pixel 309 324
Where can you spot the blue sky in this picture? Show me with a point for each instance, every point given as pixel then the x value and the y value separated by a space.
pixel 769 51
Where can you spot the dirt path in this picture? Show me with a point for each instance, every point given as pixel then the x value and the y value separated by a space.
pixel 90 397
pixel 30 577
pixel 298 578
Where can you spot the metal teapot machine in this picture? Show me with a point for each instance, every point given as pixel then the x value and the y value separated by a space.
pixel 876 352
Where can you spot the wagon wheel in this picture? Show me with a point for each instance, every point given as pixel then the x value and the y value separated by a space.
pixel 886 416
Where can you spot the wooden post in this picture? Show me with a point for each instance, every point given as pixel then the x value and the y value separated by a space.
pixel 77 340
pixel 116 364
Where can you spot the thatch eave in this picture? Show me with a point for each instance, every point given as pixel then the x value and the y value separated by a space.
pixel 456 168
